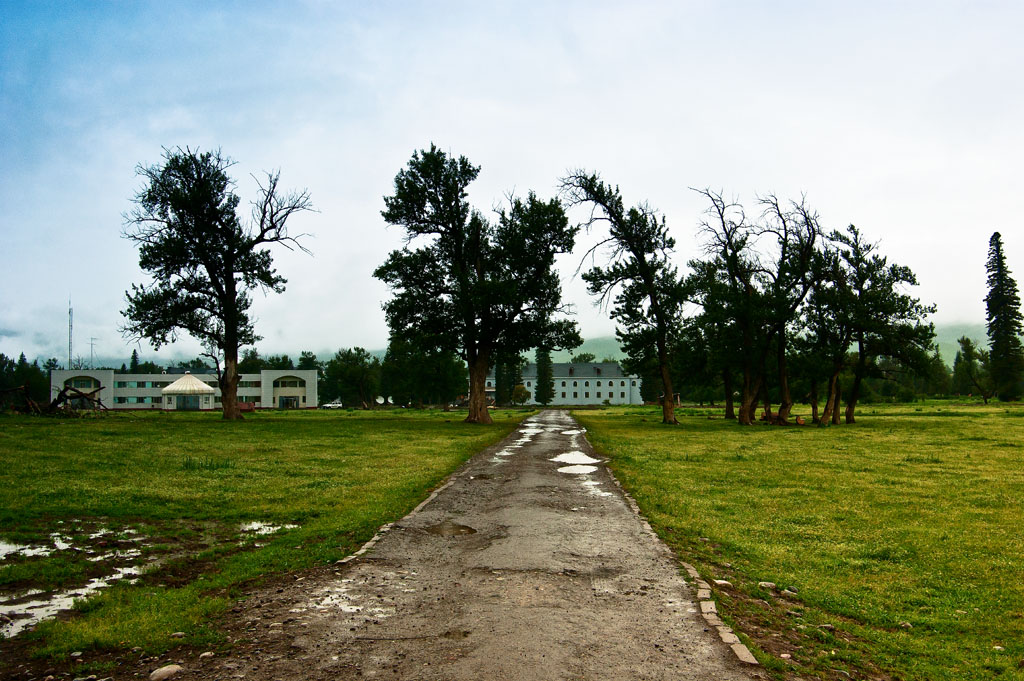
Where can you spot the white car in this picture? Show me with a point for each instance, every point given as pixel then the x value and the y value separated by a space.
pixel 332 405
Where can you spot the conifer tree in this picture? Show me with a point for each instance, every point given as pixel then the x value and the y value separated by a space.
pixel 544 392
pixel 1005 324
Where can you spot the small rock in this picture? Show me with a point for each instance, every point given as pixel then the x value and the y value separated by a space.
pixel 77 653
pixel 166 672
pixel 787 592
pixel 178 634
pixel 998 648
pixel 206 656
pixel 826 627
pixel 792 589
pixel 785 656
pixel 906 625
pixel 91 677
pixel 704 539
pixel 794 613
pixel 723 582
pixel 767 585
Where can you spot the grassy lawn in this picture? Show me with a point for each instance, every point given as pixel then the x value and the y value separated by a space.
pixel 173 492
pixel 902 536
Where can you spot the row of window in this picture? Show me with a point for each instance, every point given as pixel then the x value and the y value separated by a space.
pixel 289 383
pixel 586 384
pixel 586 395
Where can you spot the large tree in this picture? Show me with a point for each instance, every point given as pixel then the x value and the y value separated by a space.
pixel 352 376
pixel 639 278
pixel 203 258
pixel 463 283
pixel 1005 324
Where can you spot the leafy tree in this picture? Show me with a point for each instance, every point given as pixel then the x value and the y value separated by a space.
pixel 1005 324
pixel 520 395
pixel 639 279
pixel 197 365
pixel 410 375
pixel 203 259
pixel 352 376
pixel 308 360
pixel 251 362
pixel 52 364
pixel 464 284
pixel 972 371
pixel 584 358
pixel 508 373
pixel 149 367
pixel 278 362
pixel 886 321
pixel 545 388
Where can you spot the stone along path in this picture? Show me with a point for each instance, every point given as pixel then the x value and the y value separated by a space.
pixel 528 564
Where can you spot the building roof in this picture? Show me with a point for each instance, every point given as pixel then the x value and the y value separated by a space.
pixel 574 369
pixel 188 385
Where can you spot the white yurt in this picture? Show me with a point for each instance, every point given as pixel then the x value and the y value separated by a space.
pixel 188 393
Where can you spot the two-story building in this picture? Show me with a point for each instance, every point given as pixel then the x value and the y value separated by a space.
pixel 269 389
pixel 581 383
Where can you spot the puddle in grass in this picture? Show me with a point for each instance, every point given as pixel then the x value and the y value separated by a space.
pixel 259 528
pixel 575 457
pixel 31 608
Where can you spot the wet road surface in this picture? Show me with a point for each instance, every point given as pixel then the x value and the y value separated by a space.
pixel 528 564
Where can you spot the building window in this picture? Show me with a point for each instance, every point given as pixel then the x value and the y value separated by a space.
pixel 529 384
pixel 121 384
pixel 120 400
pixel 575 395
pixel 281 383
pixel 622 395
pixel 586 396
pixel 489 384
pixel 571 372
pixel 599 394
pixel 634 384
pixel 563 385
pixel 599 384
pixel 575 383
pixel 586 383
pixel 598 370
pixel 622 383
pixel 563 395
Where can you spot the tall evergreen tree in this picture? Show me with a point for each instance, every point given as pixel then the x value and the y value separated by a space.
pixel 545 389
pixel 133 365
pixel 1005 324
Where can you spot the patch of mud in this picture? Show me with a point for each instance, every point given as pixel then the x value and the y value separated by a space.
pixel 574 457
pixel 450 529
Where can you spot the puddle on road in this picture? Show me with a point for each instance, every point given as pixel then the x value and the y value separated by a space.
pixel 574 432
pixel 27 610
pixel 578 470
pixel 450 529
pixel 574 456
pixel 594 488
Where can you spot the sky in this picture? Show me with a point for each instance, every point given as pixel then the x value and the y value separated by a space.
pixel 902 118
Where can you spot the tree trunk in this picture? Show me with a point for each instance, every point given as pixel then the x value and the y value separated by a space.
pixel 668 399
pixel 748 399
pixel 830 402
pixel 858 374
pixel 477 390
pixel 814 401
pixel 767 416
pixel 785 398
pixel 730 408
pixel 229 386
pixel 835 409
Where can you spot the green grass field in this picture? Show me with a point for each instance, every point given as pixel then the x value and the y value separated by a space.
pixel 178 487
pixel 904 532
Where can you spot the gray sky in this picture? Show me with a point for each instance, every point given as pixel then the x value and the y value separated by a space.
pixel 902 118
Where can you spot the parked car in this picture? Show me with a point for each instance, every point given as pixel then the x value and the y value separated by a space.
pixel 336 404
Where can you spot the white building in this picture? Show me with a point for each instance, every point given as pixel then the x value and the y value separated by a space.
pixel 580 384
pixel 269 389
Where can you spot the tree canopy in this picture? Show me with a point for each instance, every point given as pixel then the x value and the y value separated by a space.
pixel 467 284
pixel 203 258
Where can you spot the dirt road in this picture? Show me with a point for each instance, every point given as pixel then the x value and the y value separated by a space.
pixel 529 564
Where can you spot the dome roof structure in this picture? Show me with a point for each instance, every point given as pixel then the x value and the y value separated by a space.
pixel 188 385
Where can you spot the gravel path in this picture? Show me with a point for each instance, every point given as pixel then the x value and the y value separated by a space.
pixel 528 564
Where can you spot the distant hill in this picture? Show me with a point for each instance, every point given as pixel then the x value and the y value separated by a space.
pixel 946 335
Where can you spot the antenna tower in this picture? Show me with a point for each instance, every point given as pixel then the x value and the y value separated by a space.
pixel 71 318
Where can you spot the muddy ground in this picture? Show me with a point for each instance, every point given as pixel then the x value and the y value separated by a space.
pixel 528 564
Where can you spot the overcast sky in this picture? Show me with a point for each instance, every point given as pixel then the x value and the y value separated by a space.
pixel 902 118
